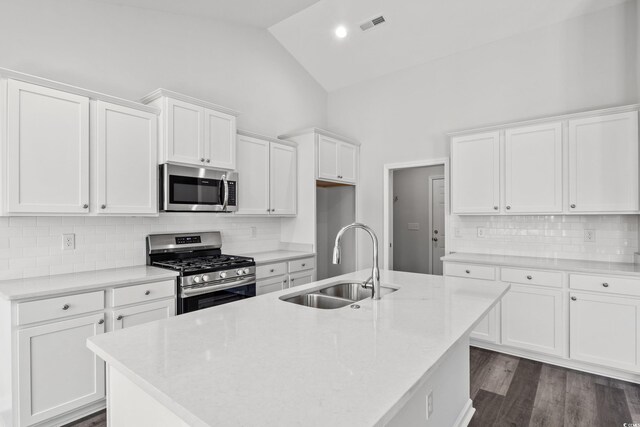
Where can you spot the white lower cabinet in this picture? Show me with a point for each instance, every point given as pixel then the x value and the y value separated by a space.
pixel 488 330
pixel 143 313
pixel 282 275
pixel 57 372
pixel 271 285
pixel 301 278
pixel 605 330
pixel 532 319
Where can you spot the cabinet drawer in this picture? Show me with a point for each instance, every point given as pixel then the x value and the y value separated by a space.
pixel 56 308
pixel 471 270
pixel 271 285
pixel 613 285
pixel 270 270
pixel 145 292
pixel 532 277
pixel 302 264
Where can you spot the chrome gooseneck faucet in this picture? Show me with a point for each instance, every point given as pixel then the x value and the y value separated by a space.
pixel 375 272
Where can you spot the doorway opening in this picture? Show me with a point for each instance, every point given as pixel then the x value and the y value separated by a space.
pixel 416 221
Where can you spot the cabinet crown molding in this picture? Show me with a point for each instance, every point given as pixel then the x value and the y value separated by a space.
pixel 158 93
pixel 319 131
pixel 27 78
pixel 249 134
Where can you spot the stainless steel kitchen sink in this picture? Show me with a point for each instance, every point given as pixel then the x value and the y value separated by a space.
pixel 334 295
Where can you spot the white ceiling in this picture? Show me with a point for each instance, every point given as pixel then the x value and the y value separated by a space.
pixel 257 13
pixel 416 31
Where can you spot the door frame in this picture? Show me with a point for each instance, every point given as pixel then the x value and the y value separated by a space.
pixel 430 208
pixel 388 202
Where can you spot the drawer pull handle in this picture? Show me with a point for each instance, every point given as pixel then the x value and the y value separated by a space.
pixel 100 322
pixel 606 285
pixel 467 271
pixel 272 270
pixel 574 299
pixel 120 317
pixel 147 292
pixel 65 307
pixel 529 277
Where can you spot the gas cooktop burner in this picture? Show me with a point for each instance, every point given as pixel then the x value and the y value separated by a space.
pixel 199 264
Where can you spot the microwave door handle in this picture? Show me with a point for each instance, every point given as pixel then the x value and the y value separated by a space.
pixel 226 192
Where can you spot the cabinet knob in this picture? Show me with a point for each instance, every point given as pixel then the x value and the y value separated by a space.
pixel 208 160
pixel 65 307
pixel 85 206
pixel 606 285
pixel 100 322
pixel 202 159
pixel 467 271
pixel 495 208
pixel 103 206
pixel 508 207
pixel 574 299
pixel 268 210
pixel 529 277
pixel 435 239
pixel 573 206
pixel 120 317
pixel 304 265
pixel 273 210
pixel 272 270
pixel 147 292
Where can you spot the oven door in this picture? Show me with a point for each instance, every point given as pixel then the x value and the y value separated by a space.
pixel 190 189
pixel 192 299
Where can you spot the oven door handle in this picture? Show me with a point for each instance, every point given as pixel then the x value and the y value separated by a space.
pixel 191 292
pixel 226 192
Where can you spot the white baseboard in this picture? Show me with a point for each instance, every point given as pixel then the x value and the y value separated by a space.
pixel 465 415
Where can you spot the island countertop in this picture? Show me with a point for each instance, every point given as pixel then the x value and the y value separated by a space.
pixel 263 361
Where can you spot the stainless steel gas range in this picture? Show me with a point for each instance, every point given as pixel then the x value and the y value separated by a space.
pixel 207 276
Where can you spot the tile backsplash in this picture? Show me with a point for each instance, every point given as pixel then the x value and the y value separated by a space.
pixel 32 246
pixel 558 236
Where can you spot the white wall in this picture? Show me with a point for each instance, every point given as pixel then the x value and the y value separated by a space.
pixel 585 63
pixel 129 52
pixel 412 248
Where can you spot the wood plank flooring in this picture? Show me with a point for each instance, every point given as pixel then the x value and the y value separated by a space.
pixel 509 391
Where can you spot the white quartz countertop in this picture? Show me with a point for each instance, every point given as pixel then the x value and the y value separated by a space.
pixel 263 361
pixel 277 256
pixel 595 267
pixel 77 282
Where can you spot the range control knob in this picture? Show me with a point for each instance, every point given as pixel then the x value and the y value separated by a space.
pixel 205 278
pixel 196 279
pixel 223 274
pixel 246 271
pixel 240 272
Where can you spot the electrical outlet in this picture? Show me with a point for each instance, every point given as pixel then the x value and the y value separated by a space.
pixel 590 236
pixel 429 404
pixel 68 242
pixel 482 232
pixel 254 232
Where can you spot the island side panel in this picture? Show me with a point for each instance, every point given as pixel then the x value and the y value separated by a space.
pixel 449 386
pixel 129 405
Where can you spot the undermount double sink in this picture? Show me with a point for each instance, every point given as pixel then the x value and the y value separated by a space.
pixel 335 295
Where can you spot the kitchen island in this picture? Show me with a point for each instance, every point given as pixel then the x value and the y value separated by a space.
pixel 264 361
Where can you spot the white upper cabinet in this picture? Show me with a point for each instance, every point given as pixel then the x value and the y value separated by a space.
pixel 475 173
pixel 533 169
pixel 603 163
pixel 283 179
pixel 195 132
pixel 337 160
pixel 47 150
pixel 126 160
pixel 267 176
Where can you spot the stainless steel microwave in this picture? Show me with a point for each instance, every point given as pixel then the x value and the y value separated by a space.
pixel 193 189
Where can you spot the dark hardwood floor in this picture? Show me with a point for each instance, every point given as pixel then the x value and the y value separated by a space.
pixel 514 392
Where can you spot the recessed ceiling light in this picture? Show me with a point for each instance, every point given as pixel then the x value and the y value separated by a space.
pixel 341 32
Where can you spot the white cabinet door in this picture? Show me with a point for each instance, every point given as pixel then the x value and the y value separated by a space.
pixel 603 163
pixel 488 330
pixel 327 158
pixel 302 278
pixel 185 133
pixel 532 319
pixel 271 285
pixel 347 162
pixel 253 176
pixel 219 139
pixel 145 313
pixel 47 150
pixel 283 179
pixel 604 330
pixel 57 372
pixel 533 169
pixel 127 141
pixel 475 173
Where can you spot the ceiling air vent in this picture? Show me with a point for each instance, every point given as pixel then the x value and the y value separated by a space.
pixel 372 23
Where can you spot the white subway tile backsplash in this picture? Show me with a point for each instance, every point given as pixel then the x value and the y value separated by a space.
pixel 548 236
pixel 32 246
